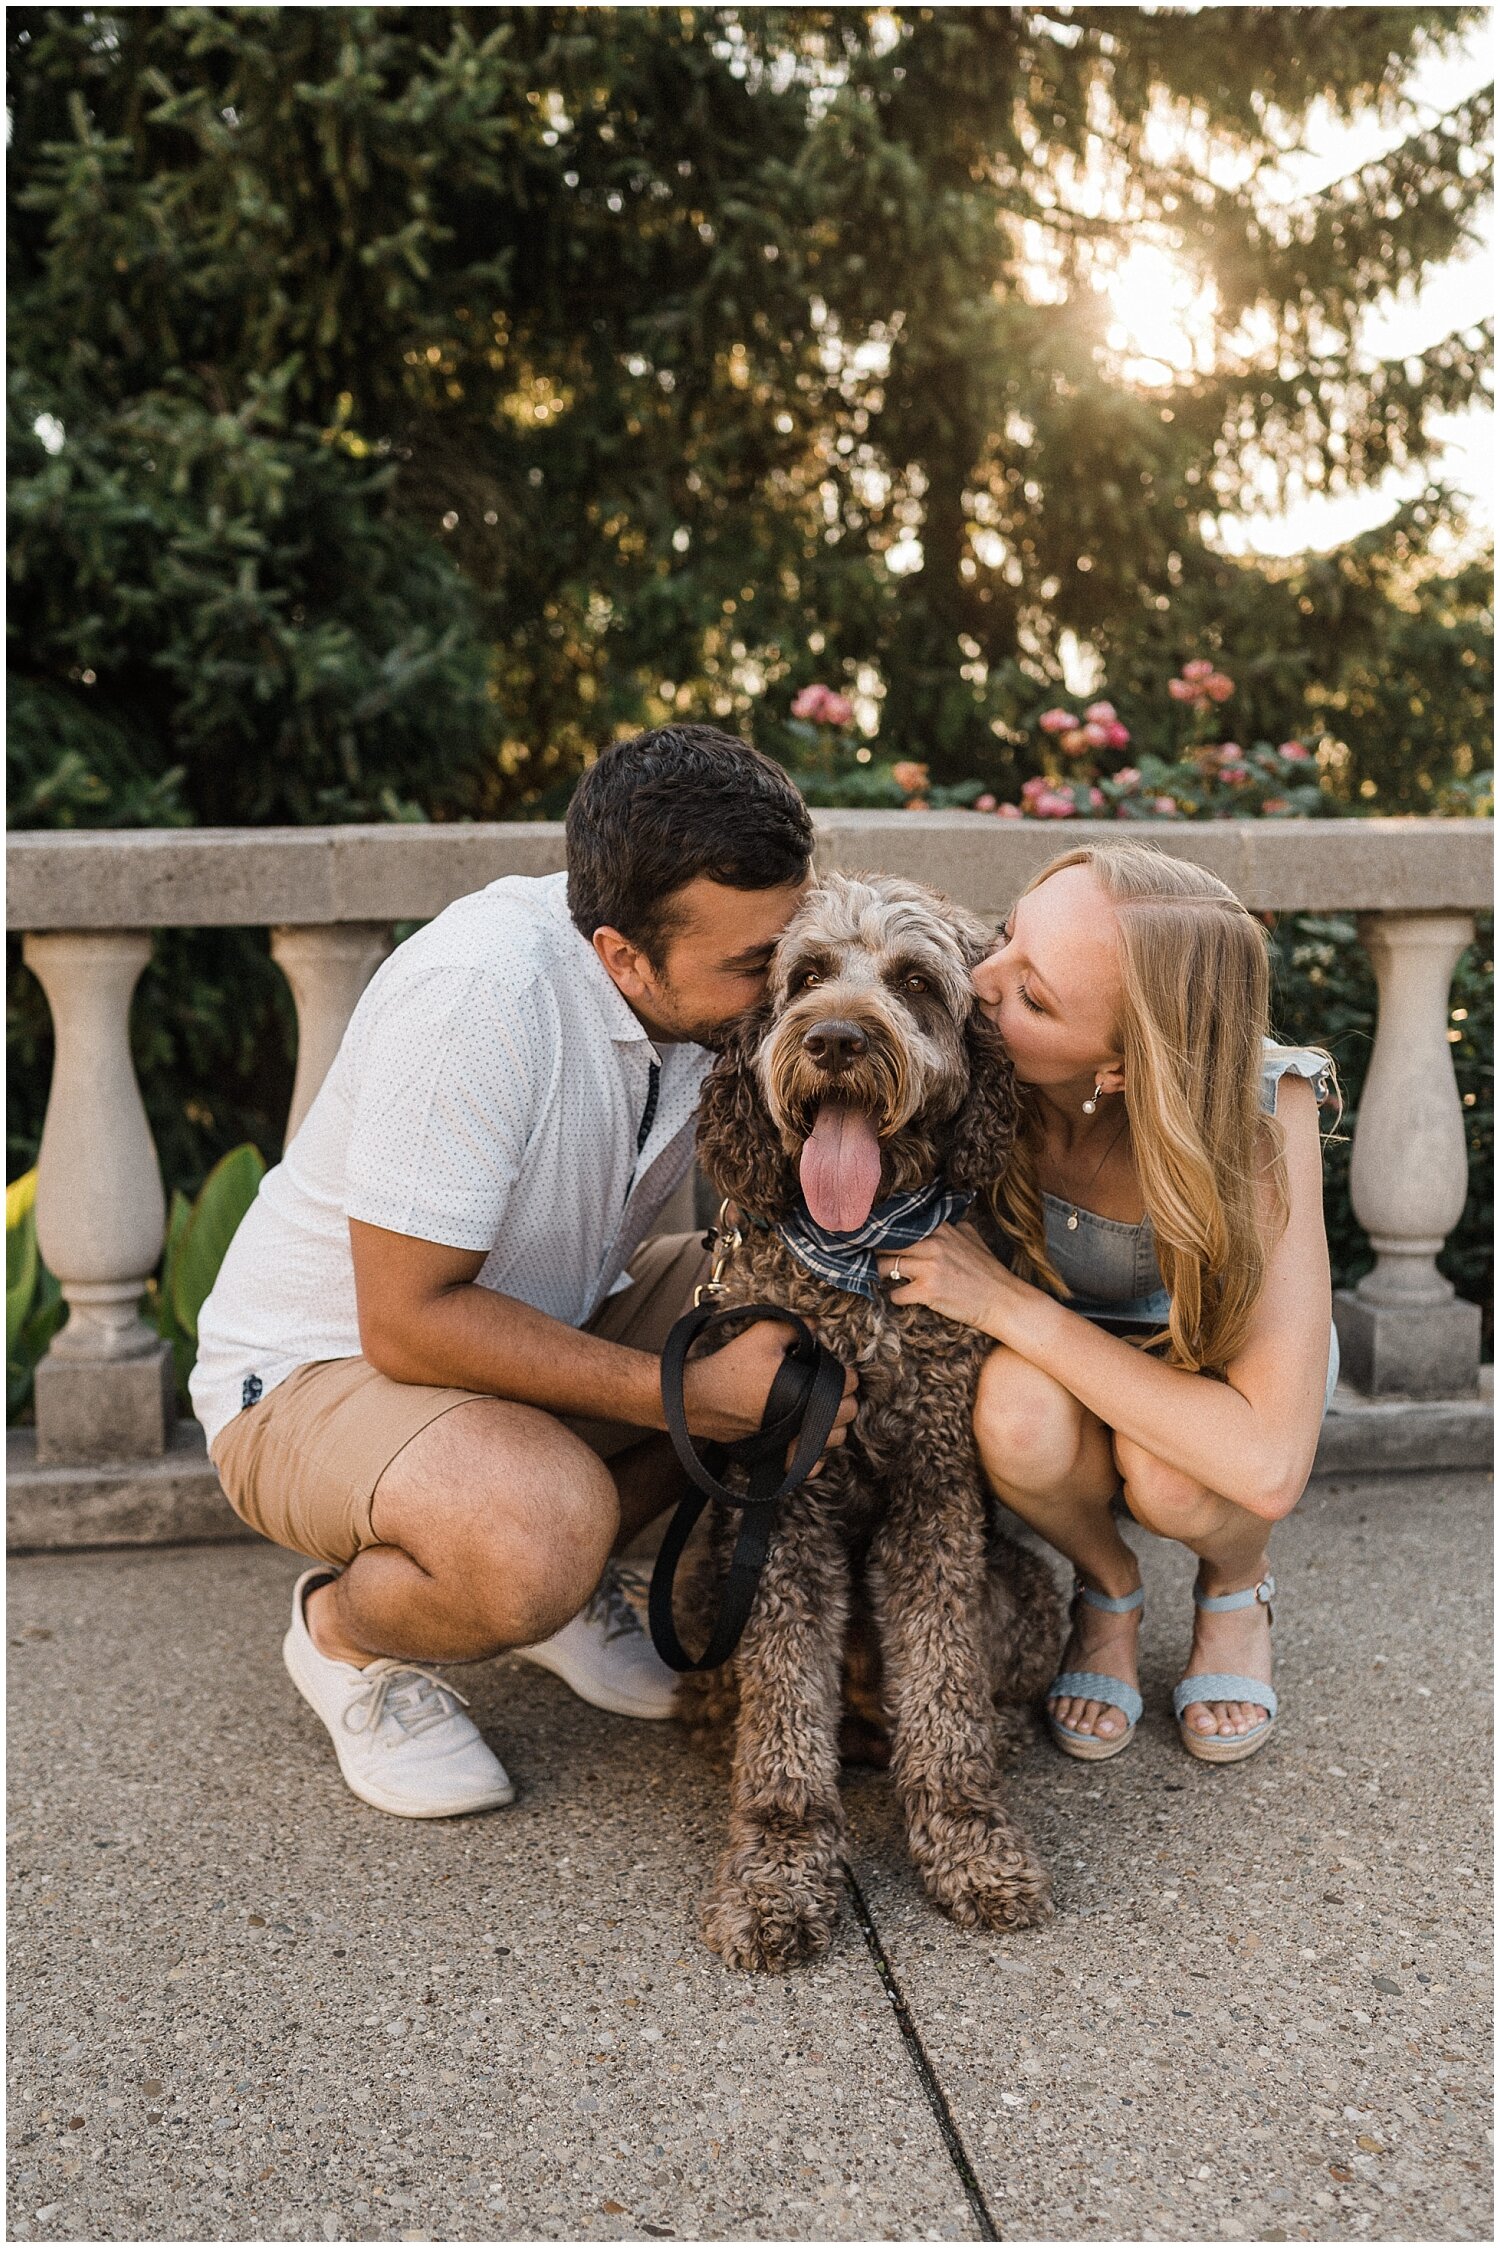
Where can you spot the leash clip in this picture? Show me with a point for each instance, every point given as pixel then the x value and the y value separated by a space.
pixel 723 1239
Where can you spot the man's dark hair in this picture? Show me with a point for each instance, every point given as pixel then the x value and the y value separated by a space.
pixel 655 812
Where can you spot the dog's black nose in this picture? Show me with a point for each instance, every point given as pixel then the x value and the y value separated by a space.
pixel 834 1045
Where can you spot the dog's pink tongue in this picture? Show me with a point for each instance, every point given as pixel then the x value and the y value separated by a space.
pixel 840 1168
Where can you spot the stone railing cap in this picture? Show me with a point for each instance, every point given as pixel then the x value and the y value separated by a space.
pixel 143 878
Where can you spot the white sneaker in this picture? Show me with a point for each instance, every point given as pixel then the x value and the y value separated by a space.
pixel 401 1741
pixel 605 1655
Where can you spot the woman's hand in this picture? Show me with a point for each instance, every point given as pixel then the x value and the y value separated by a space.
pixel 953 1273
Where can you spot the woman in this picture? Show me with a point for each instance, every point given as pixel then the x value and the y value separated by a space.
pixel 1166 1192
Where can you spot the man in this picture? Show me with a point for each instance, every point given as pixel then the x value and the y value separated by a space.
pixel 431 1357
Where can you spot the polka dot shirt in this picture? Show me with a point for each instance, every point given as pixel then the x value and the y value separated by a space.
pixel 488 1094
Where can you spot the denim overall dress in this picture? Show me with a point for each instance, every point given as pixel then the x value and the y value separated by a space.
pixel 1111 1267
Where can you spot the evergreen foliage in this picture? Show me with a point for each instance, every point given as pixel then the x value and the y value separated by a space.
pixel 403 400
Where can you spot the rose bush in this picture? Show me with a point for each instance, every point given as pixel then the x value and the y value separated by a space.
pixel 1083 772
pixel 1083 775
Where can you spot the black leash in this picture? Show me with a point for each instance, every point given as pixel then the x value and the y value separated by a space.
pixel 802 1408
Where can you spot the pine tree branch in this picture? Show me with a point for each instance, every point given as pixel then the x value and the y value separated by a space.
pixel 1467 125
pixel 1324 256
pixel 1349 424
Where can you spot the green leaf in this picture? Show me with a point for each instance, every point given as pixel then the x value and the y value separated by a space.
pixel 179 1218
pixel 47 1315
pixel 227 1194
pixel 34 1303
pixel 158 1307
pixel 21 1259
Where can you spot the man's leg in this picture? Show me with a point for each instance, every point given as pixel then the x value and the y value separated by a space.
pixel 487 1524
pixel 493 1525
pixel 664 1272
pixel 647 1480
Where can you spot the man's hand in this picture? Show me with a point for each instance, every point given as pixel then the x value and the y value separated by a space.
pixel 725 1395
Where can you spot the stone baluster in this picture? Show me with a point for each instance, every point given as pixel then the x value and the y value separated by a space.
pixel 327 967
pixel 105 1389
pixel 1402 1330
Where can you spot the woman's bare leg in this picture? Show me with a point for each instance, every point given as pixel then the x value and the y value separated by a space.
pixel 1233 1549
pixel 1051 1461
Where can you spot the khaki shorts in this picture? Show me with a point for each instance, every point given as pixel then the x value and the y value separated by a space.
pixel 302 1465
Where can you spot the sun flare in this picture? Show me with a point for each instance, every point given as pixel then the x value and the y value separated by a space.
pixel 1163 317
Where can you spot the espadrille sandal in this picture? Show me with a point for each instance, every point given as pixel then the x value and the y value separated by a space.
pixel 1223 1686
pixel 1097 1686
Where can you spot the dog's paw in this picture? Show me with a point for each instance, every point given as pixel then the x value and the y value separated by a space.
pixel 773 1904
pixel 983 1872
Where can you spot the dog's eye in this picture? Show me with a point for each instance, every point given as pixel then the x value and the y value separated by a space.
pixel 805 980
pixel 916 983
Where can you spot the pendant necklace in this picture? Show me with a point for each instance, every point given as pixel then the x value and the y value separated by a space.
pixel 1104 1158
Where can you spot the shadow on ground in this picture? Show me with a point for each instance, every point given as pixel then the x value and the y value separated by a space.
pixel 244 2005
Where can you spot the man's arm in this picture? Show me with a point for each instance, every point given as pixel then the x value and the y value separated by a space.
pixel 422 1319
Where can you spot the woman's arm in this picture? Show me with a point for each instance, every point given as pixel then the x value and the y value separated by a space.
pixel 1251 1438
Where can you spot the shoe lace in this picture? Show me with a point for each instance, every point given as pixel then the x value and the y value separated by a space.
pixel 416 1698
pixel 611 1605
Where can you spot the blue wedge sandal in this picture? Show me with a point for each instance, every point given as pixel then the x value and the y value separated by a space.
pixel 1223 1686
pixel 1097 1686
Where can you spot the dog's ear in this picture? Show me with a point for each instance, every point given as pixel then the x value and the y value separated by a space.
pixel 738 1145
pixel 984 1130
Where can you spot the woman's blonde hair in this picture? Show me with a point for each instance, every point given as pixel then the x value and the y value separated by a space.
pixel 1195 1007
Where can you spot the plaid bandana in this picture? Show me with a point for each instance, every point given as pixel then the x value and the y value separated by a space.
pixel 847 1260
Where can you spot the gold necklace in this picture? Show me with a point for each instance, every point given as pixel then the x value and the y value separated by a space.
pixel 1104 1158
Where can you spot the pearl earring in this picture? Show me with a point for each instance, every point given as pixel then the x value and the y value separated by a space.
pixel 1090 1106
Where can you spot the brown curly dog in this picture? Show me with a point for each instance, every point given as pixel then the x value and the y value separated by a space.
pixel 869 1074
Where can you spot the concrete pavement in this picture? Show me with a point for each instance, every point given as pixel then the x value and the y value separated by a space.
pixel 244 2005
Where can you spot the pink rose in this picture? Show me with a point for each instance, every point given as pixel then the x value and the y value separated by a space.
pixel 1276 804
pixel 909 776
pixel 1180 690
pixel 1101 713
pixel 1295 751
pixel 1057 721
pixel 1127 777
pixel 1230 753
pixel 1236 776
pixel 1053 806
pixel 822 706
pixel 1118 735
pixel 1096 797
pixel 1038 785
pixel 984 803
pixel 1009 812
pixel 1077 740
pixel 1219 687
pixel 916 804
pixel 1096 735
pixel 1164 805
pixel 1199 668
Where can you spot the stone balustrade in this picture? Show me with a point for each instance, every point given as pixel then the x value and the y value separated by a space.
pixel 87 901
